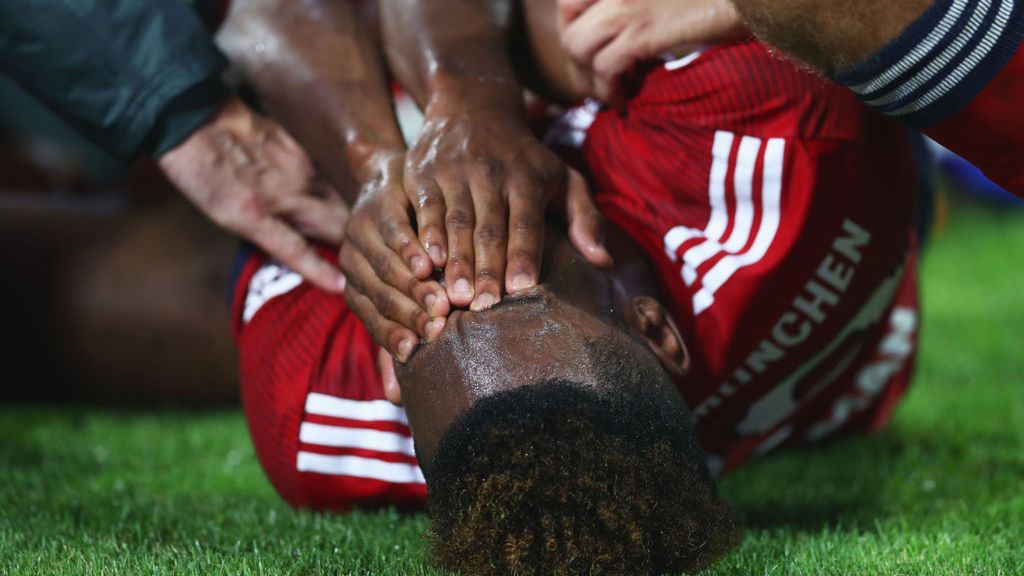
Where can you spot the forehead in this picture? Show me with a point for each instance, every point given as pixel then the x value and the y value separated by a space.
pixel 523 339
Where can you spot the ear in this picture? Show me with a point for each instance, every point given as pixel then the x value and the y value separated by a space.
pixel 662 335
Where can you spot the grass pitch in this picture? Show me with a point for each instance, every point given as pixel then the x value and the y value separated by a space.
pixel 100 491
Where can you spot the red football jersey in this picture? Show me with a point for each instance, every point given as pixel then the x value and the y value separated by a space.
pixel 777 212
pixel 957 73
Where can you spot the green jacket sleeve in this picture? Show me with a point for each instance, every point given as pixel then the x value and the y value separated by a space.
pixel 132 75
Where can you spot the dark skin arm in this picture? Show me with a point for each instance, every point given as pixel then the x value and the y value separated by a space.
pixel 479 180
pixel 317 67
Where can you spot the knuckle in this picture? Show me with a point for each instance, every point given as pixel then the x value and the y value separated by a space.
pixel 487 276
pixel 522 257
pixel 381 264
pixel 389 227
pixel 429 199
pixel 410 285
pixel 491 234
pixel 526 224
pixel 489 168
pixel 459 218
pixel 386 305
pixel 459 260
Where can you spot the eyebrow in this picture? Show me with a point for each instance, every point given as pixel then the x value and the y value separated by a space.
pixel 507 301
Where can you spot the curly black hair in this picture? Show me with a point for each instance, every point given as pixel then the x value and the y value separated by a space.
pixel 557 479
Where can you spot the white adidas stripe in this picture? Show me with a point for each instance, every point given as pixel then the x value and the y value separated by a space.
pixel 718 221
pixel 771 212
pixel 359 438
pixel 359 467
pixel 743 183
pixel 363 410
pixel 738 254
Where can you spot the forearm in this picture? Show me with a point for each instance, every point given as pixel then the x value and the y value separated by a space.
pixel 442 49
pixel 318 68
pixel 826 34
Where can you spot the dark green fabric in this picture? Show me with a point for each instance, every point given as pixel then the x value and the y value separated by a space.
pixel 120 71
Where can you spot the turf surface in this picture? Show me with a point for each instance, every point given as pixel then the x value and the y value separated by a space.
pixel 102 491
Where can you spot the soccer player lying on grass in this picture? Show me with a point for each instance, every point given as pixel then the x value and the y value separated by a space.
pixel 759 217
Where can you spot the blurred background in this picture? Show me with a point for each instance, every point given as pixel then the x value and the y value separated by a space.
pixel 114 290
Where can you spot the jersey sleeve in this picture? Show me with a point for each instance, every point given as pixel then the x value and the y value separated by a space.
pixel 956 73
pixel 131 75
pixel 323 431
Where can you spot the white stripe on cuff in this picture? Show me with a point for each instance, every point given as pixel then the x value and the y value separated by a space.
pixel 360 438
pixel 359 467
pixel 362 410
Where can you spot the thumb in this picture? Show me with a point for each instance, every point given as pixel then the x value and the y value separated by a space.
pixel 586 225
pixel 389 383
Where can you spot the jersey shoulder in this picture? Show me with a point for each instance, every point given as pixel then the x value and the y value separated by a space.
pixel 747 89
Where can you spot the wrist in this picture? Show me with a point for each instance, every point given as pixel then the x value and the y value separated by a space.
pixel 381 164
pixel 496 94
pixel 188 114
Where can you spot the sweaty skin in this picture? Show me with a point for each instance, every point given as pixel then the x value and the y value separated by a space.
pixel 478 177
pixel 292 52
pixel 537 335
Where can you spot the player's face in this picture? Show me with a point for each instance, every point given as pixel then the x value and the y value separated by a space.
pixel 536 335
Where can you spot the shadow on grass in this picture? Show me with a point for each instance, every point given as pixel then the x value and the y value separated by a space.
pixel 850 483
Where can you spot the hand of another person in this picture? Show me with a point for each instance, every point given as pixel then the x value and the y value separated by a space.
pixel 246 174
pixel 481 183
pixel 606 38
pixel 388 272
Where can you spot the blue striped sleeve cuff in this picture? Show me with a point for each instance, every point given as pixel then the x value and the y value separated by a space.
pixel 941 61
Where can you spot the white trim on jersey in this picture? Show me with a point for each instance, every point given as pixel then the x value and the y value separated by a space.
pixel 358 438
pixel 570 129
pixel 363 410
pixel 911 59
pixel 353 436
pixel 971 60
pixel 360 467
pixel 269 282
pixel 941 61
pixel 677 63
pixel 738 249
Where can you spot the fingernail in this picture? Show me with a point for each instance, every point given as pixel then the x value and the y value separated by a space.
pixel 405 348
pixel 434 328
pixel 462 287
pixel 435 254
pixel 521 281
pixel 417 263
pixel 483 302
pixel 341 282
pixel 435 305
